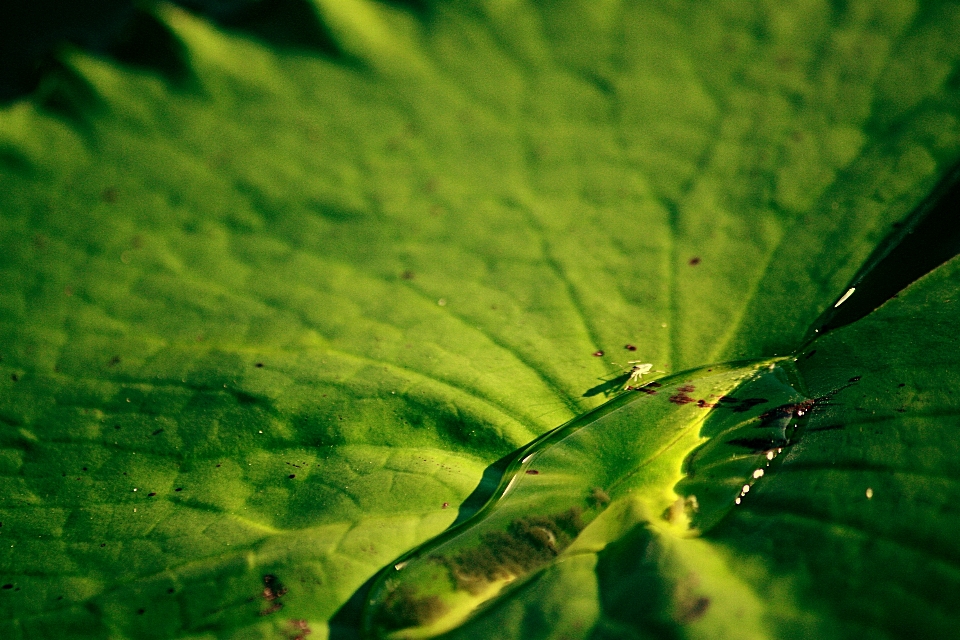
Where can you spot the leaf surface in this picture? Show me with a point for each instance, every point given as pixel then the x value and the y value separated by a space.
pixel 390 263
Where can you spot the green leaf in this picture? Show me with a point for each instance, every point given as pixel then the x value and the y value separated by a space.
pixel 825 517
pixel 422 234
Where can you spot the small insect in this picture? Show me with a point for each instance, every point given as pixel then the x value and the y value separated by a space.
pixel 637 371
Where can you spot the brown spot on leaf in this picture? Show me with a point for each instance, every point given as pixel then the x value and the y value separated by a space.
pixel 599 497
pixel 403 608
pixel 689 611
pixel 527 544
pixel 682 396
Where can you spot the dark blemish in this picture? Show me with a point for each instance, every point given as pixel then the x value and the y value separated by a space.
pixel 272 592
pixel 655 384
pixel 810 355
pixel 84 468
pixel 259 365
pixel 630 347
pixel 646 390
pixel 855 379
pixel 407 275
pixel 59 597
pixel 114 361
pixel 528 543
pixel 694 261
pixel 339 417
pixel 177 489
pixel 902 384
pixel 218 466
pixel 598 354
pixel 157 432
pixel 703 404
pixel 681 396
pixel 116 426
pixel 151 494
pixel 140 611
pixel 302 627
pixel 599 497
pixel 7 586
pixel 109 195
pixel 445 505
pixel 901 410
pixel 64 474
pixel 403 608
pixel 693 611
pixel 170 590
pixel 292 476
pixel 727 399
pixel 532 472
pixel 14 377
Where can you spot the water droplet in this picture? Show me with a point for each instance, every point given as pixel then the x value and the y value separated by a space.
pixel 869 493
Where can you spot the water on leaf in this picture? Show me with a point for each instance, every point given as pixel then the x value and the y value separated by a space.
pixel 687 448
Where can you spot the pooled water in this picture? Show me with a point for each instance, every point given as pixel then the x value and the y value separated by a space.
pixel 689 447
